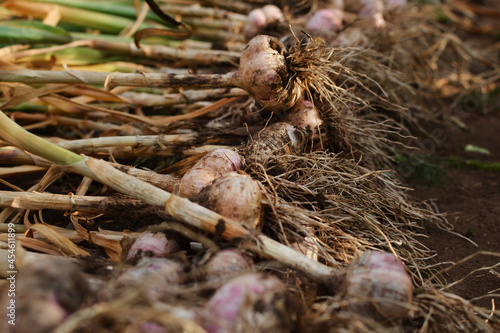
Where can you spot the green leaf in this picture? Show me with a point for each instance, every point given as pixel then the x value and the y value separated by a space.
pixel 31 32
pixel 117 8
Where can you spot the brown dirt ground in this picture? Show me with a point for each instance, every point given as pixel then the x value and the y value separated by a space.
pixel 470 199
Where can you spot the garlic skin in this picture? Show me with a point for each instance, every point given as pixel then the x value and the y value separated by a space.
pixel 236 196
pixel 377 285
pixel 249 303
pixel 150 327
pixel 207 169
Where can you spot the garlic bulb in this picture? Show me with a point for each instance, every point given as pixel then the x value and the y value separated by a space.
pixel 236 196
pixel 352 36
pixel 207 169
pixel 377 285
pixel 304 115
pixel 249 303
pixel 154 275
pixel 325 22
pixel 263 73
pixel 259 18
pixel 151 245
pixel 372 11
pixel 47 291
pixel 227 264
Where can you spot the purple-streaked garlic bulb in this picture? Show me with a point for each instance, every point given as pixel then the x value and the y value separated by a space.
pixel 263 73
pixel 155 276
pixel 249 303
pixel 236 196
pixel 304 115
pixel 259 18
pixel 152 245
pixel 227 264
pixel 277 139
pixel 325 22
pixel 47 291
pixel 207 169
pixel 377 285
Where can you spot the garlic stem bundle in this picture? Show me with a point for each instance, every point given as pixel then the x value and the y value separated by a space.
pixel 179 208
pixel 263 73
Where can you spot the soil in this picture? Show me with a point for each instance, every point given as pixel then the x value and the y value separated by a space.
pixel 470 199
